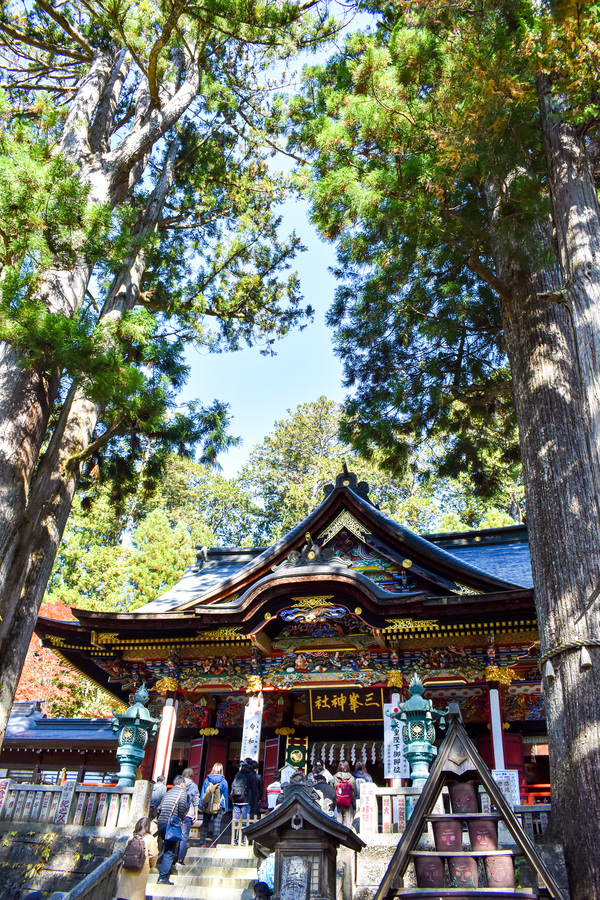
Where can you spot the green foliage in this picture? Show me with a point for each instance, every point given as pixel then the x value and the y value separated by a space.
pixel 426 158
pixel 288 470
pixel 121 558
pixel 158 556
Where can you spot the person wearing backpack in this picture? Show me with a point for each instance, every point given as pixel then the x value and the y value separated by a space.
pixel 326 794
pixel 244 791
pixel 214 801
pixel 141 853
pixel 345 793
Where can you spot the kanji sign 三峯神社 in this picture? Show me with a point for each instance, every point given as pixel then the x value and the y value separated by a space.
pixel 346 705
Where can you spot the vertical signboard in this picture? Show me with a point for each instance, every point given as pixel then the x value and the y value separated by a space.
pixel 394 762
pixel 252 727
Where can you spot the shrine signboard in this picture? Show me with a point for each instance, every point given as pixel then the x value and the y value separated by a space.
pixel 346 705
pixel 252 728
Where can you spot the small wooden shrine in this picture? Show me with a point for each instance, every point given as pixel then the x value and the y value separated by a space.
pixel 299 829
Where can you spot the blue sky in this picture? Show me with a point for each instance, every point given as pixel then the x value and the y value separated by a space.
pixel 260 389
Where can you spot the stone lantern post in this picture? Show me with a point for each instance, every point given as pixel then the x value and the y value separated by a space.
pixel 418 731
pixel 137 727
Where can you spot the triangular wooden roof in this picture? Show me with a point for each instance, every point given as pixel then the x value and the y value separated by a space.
pixel 456 755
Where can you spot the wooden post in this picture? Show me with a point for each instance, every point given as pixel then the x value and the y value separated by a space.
pixel 166 733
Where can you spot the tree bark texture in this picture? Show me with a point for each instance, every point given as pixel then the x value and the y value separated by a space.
pixel 564 534
pixel 577 222
pixel 27 396
pixel 35 544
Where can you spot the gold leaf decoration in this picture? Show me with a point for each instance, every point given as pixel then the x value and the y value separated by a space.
pixel 345 520
pixel 394 678
pixel 165 685
pixel 503 676
pixel 312 602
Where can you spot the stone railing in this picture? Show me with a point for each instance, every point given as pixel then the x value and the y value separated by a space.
pixel 534 818
pixel 384 810
pixel 103 806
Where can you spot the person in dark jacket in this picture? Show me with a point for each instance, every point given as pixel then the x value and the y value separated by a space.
pixel 159 790
pixel 191 815
pixel 326 794
pixel 211 821
pixel 175 802
pixel 244 793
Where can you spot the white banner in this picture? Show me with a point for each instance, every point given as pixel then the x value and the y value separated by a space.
pixel 395 764
pixel 252 726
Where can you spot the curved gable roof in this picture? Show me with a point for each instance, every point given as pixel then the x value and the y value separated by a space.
pixel 229 574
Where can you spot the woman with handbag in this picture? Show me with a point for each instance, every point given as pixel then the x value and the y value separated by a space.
pixel 173 808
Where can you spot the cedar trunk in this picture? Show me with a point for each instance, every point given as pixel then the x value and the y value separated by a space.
pixel 35 543
pixel 560 471
pixel 27 397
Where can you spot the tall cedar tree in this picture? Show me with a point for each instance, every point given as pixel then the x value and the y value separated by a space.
pixel 115 114
pixel 453 156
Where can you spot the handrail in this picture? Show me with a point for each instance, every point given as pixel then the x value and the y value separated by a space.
pixel 103 877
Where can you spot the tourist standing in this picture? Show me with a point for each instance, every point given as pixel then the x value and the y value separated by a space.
pixel 345 793
pixel 319 769
pixel 361 776
pixel 326 795
pixel 191 789
pixel 159 789
pixel 132 882
pixel 244 793
pixel 175 802
pixel 214 801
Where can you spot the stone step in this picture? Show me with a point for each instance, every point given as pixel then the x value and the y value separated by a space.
pixel 237 884
pixel 218 855
pixel 192 867
pixel 181 891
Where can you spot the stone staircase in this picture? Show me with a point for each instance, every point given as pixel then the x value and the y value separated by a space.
pixel 217 873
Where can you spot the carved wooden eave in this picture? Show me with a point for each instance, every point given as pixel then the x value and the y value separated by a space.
pixel 377 531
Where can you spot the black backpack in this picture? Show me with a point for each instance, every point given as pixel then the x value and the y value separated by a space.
pixel 134 856
pixel 239 789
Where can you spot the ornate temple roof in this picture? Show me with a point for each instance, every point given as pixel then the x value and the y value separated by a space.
pixel 347 574
pixel 492 558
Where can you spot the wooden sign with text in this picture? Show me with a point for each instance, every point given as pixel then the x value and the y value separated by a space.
pixel 346 705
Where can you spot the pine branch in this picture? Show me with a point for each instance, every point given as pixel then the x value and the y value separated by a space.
pixel 28 41
pixel 66 27
pixel 167 30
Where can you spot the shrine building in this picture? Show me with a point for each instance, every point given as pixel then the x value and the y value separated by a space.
pixel 289 653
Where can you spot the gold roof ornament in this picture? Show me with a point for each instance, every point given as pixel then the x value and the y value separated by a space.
pixel 220 634
pixel 344 520
pixel 504 676
pixel 253 684
pixel 395 678
pixel 312 602
pixel 166 685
